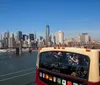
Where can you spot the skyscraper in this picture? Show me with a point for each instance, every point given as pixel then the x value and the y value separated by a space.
pixel 41 38
pixel 19 35
pixel 10 42
pixel 31 36
pixel 1 44
pixel 53 39
pixel 35 36
pixel 0 37
pixel 24 36
pixel 47 34
pixel 6 35
pixel 13 35
pixel 60 37
pixel 83 38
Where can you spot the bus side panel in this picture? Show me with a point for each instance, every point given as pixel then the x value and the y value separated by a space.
pixel 38 81
pixel 97 83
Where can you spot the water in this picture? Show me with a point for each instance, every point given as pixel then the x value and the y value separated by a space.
pixel 17 70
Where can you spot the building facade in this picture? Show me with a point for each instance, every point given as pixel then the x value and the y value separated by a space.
pixel 47 34
pixel 60 37
pixel 0 36
pixel 1 44
pixel 31 36
pixel 10 42
pixel 84 38
pixel 24 37
pixel 19 35
pixel 53 39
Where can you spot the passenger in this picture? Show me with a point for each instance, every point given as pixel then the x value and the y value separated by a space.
pixel 55 53
pixel 60 56
pixel 74 60
pixel 70 58
pixel 84 74
pixel 73 74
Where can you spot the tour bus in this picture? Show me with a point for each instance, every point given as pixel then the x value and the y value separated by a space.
pixel 68 66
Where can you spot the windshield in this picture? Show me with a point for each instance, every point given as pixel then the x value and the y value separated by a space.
pixel 71 64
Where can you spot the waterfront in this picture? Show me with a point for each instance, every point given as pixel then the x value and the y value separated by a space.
pixel 17 70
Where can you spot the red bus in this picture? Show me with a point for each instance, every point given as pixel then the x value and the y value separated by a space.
pixel 68 66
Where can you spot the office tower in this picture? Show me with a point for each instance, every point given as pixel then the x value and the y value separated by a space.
pixel 41 38
pixel 29 42
pixel 47 34
pixel 35 36
pixel 25 44
pixel 0 37
pixel 79 38
pixel 31 36
pixel 90 39
pixel 24 36
pixel 83 38
pixel 86 37
pixel 60 37
pixel 53 39
pixel 6 36
pixel 13 38
pixel 1 44
pixel 19 35
pixel 13 35
pixel 10 42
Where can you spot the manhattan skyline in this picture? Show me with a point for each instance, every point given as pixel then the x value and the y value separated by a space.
pixel 70 16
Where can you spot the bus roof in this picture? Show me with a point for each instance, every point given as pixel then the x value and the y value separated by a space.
pixel 65 48
pixel 84 51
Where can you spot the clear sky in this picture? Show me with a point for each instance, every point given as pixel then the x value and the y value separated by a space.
pixel 71 16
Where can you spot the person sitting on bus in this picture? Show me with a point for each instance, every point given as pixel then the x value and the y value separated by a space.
pixel 74 60
pixel 84 74
pixel 73 74
pixel 55 53
pixel 60 56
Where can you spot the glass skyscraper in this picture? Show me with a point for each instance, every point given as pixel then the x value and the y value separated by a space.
pixel 19 35
pixel 31 36
pixel 47 34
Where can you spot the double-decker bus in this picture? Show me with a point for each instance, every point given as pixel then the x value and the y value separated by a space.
pixel 68 66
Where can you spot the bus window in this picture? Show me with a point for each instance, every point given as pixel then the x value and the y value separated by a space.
pixel 70 64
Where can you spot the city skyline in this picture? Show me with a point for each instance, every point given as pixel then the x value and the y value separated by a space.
pixel 28 34
pixel 70 16
pixel 50 39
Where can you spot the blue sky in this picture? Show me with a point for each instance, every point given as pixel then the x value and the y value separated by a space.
pixel 71 16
